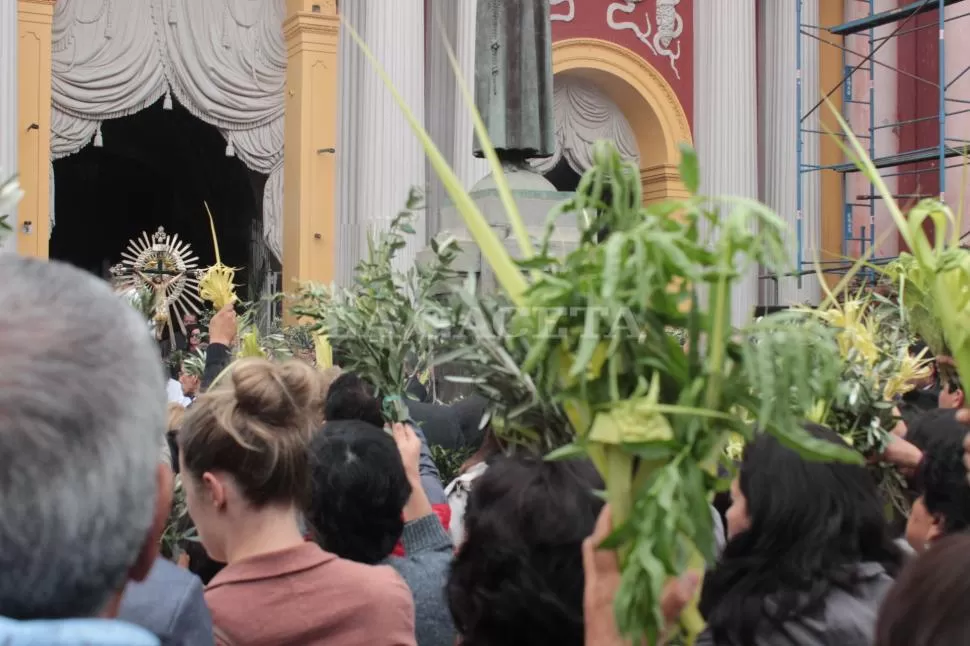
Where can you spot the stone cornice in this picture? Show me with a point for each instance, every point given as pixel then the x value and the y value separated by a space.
pixel 310 23
pixel 36 10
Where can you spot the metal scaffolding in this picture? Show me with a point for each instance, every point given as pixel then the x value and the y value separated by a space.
pixel 855 207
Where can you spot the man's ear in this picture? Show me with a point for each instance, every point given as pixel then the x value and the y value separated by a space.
pixel 960 397
pixel 163 506
pixel 936 528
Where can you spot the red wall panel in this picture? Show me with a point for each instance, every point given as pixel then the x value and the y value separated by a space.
pixel 591 21
pixel 918 98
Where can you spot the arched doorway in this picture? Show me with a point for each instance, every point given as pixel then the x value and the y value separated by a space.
pixel 583 115
pixel 156 168
pixel 649 104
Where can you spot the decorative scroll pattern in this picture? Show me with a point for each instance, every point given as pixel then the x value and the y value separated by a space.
pixel 563 17
pixel 661 35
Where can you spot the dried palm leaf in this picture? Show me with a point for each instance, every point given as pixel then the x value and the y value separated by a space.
pixel 216 284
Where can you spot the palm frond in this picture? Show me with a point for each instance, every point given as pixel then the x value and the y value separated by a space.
pixel 388 324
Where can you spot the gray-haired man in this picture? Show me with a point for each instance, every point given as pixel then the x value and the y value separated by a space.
pixel 83 496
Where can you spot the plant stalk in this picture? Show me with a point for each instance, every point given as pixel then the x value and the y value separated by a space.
pixel 619 480
pixel 720 316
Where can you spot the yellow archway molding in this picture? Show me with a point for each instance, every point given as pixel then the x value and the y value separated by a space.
pixel 648 102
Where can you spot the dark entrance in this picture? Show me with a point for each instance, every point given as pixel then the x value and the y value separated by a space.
pixel 157 168
pixel 563 177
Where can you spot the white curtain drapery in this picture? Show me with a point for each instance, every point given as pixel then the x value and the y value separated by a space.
pixel 583 116
pixel 224 60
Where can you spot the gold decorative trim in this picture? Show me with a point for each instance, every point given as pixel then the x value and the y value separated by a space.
pixel 646 99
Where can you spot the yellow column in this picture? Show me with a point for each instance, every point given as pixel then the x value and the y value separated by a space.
pixel 309 163
pixel 830 74
pixel 34 19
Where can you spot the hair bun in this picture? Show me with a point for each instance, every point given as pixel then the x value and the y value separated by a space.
pixel 277 394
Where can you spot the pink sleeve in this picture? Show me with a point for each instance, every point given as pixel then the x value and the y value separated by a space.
pixel 397 618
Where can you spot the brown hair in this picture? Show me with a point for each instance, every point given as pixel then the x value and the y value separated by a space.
pixel 256 426
pixel 929 603
pixel 327 377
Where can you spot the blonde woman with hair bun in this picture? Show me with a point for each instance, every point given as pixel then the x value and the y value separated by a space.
pixel 244 462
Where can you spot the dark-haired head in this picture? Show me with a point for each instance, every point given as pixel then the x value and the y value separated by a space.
pixel 951 388
pixel 943 505
pixel 933 425
pixel 518 577
pixel 797 530
pixel 358 491
pixel 243 447
pixel 351 398
pixel 930 602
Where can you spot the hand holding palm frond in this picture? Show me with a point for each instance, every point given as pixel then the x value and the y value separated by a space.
pixel 654 414
pixel 654 411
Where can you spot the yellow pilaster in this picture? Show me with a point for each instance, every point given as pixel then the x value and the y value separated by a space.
pixel 830 74
pixel 34 19
pixel 309 163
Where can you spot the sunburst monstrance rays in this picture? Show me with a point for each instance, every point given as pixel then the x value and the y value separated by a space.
pixel 165 265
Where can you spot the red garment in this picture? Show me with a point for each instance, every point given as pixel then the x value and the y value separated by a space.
pixel 443 512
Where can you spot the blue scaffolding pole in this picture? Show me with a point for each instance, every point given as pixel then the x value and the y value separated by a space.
pixel 799 148
pixel 854 205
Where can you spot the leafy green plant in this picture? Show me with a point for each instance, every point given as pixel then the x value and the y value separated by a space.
pixel 387 325
pixel 652 411
pixel 10 196
pixel 483 349
pixel 449 462
pixel 877 369
pixel 178 527
pixel 916 300
pixel 193 363
pixel 934 275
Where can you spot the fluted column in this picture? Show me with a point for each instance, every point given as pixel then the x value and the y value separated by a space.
pixel 780 115
pixel 441 87
pixel 8 108
pixel 469 168
pixel 392 158
pixel 725 120
pixel 353 72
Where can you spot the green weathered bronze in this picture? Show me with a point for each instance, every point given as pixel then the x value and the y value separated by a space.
pixel 513 77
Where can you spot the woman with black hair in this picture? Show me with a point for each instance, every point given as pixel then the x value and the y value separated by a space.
pixel 943 505
pixel 517 579
pixel 809 554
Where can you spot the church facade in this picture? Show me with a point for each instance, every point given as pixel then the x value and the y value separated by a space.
pixel 294 99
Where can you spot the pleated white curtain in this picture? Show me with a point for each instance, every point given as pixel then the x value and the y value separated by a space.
pixel 583 116
pixel 224 60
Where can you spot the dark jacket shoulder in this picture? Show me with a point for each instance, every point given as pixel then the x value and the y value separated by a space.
pixel 170 604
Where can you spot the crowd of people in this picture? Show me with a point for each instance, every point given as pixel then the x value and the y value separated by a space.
pixel 319 524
